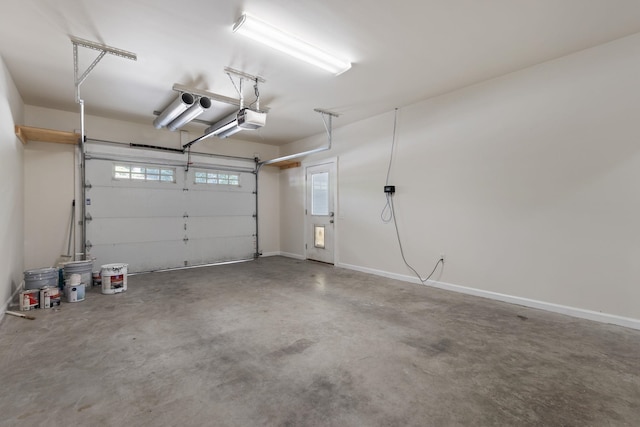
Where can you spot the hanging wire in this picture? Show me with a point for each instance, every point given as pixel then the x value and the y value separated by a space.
pixel 387 212
pixel 404 259
pixel 256 92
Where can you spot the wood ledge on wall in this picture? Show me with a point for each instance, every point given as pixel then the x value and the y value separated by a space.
pixel 28 133
pixel 286 164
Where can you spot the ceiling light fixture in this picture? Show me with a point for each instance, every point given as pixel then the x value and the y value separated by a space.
pixel 259 30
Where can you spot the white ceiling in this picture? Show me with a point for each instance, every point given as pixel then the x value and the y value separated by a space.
pixel 402 51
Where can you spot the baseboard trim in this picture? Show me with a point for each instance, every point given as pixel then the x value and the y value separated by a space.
pixel 285 254
pixel 596 316
pixel 268 254
pixel 7 303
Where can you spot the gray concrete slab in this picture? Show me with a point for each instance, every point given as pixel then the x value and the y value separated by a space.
pixel 292 343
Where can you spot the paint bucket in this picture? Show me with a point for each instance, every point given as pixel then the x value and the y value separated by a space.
pixel 49 297
pixel 39 278
pixel 74 293
pixel 97 278
pixel 29 299
pixel 114 278
pixel 83 268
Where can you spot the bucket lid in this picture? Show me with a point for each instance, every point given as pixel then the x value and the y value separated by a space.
pixel 76 265
pixel 45 272
pixel 114 267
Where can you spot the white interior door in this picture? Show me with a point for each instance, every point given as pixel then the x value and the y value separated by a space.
pixel 320 212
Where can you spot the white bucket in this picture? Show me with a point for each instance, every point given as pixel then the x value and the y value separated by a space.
pixel 114 278
pixel 74 293
pixel 39 278
pixel 83 268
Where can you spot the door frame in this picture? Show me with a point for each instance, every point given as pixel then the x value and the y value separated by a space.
pixel 333 161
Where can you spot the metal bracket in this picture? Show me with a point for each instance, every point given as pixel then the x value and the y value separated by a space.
pixel 214 96
pixel 328 127
pixel 248 76
pixel 88 185
pixel 88 217
pixel 103 49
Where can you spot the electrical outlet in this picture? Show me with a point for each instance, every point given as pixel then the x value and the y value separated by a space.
pixel 442 257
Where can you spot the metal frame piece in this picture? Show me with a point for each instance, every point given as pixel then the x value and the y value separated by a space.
pixel 248 76
pixel 329 128
pixel 103 49
pixel 214 96
pixel 225 132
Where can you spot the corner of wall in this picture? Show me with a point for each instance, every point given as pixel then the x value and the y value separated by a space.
pixel 11 175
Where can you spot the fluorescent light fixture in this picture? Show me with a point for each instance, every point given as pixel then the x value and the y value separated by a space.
pixel 259 30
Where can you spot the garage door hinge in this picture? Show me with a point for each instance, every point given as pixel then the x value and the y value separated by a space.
pixel 87 185
pixel 255 216
pixel 186 215
pixel 87 217
pixel 255 192
pixel 88 244
pixel 185 189
pixel 186 239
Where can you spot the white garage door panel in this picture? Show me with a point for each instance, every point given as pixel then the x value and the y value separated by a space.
pixel 155 225
pixel 203 228
pixel 136 230
pixel 200 251
pixel 234 204
pixel 234 197
pixel 112 202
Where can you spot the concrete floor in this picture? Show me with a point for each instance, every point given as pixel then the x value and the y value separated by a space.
pixel 291 343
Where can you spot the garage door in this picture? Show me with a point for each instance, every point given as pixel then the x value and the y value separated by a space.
pixel 149 210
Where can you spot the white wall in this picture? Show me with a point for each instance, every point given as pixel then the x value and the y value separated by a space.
pixel 11 188
pixel 528 183
pixel 51 178
pixel 49 175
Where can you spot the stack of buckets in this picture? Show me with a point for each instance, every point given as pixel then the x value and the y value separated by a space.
pixel 42 286
pixel 77 275
pixel 41 289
